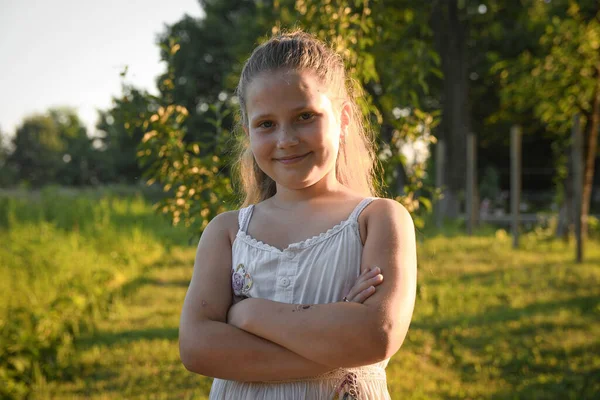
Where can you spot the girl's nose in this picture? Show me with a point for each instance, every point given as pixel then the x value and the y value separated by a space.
pixel 287 137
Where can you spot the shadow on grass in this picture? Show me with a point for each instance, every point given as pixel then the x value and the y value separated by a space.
pixel 173 384
pixel 133 286
pixel 529 348
pixel 525 275
pixel 585 304
pixel 111 338
pixel 172 261
pixel 556 382
pixel 157 226
pixel 128 289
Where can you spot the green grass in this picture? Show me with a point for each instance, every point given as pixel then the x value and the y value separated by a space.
pixel 65 260
pixel 490 322
pixel 134 354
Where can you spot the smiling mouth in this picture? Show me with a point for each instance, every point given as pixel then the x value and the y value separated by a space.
pixel 292 160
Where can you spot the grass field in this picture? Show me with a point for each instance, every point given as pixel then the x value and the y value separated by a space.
pixel 490 322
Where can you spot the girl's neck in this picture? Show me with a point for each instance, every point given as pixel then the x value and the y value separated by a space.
pixel 296 198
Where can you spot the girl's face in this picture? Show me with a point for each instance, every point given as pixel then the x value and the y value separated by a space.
pixel 293 127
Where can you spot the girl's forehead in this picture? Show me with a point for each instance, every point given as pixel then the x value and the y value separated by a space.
pixel 286 80
pixel 284 91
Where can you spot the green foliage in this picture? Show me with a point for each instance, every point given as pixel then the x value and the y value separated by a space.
pixel 122 128
pixel 416 194
pixel 199 179
pixel 559 79
pixel 52 148
pixel 8 173
pixel 39 149
pixel 64 262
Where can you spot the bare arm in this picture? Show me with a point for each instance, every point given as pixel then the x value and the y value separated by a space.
pixel 211 347
pixel 350 334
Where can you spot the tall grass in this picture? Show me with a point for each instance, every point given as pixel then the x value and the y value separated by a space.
pixel 63 259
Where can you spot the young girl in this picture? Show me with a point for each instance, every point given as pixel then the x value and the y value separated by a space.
pixel 288 299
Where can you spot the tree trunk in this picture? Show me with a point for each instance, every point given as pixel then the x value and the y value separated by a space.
pixel 591 144
pixel 566 215
pixel 451 35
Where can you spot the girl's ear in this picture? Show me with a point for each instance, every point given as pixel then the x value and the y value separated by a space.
pixel 245 128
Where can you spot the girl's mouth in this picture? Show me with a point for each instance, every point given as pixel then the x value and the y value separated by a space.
pixel 292 159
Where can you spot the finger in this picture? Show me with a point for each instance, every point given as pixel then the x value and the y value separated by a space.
pixel 364 295
pixel 365 273
pixel 376 280
pixel 360 281
pixel 368 278
pixel 371 271
pixel 371 279
pixel 352 293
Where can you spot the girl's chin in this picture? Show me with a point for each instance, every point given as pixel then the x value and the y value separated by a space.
pixel 299 183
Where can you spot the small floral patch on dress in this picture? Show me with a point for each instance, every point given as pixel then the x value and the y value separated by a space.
pixel 241 281
pixel 348 388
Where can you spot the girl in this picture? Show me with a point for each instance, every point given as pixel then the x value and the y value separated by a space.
pixel 282 303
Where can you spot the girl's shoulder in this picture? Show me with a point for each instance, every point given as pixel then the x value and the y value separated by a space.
pixel 227 222
pixel 382 207
pixel 379 213
pixel 383 210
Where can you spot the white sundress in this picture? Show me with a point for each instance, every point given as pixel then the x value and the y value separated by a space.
pixel 318 270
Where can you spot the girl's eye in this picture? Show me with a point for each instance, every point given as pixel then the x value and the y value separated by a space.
pixel 306 116
pixel 266 124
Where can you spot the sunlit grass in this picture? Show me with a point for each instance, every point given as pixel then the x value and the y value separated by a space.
pixel 489 322
pixel 64 260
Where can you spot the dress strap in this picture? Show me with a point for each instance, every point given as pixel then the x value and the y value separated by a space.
pixel 360 207
pixel 244 217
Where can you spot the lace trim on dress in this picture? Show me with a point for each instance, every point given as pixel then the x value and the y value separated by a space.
pixel 246 214
pixel 368 372
pixel 298 245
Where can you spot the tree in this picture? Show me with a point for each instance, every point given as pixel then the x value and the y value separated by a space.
pixel 561 77
pixel 122 128
pixel 7 171
pixel 38 150
pixel 3 149
pixel 200 181
pixel 75 169
pixel 52 148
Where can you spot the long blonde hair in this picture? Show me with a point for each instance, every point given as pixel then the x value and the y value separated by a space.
pixel 301 51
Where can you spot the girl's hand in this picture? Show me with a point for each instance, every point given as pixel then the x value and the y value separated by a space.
pixel 364 286
pixel 237 313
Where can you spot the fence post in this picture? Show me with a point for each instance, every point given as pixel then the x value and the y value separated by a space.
pixel 577 159
pixel 472 208
pixel 440 167
pixel 515 181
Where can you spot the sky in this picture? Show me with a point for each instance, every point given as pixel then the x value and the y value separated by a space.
pixel 71 53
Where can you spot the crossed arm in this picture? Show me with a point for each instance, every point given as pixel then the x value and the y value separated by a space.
pixel 284 341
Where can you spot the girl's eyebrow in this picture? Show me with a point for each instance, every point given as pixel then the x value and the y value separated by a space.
pixel 259 117
pixel 294 110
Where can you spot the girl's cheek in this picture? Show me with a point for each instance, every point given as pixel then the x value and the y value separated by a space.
pixel 258 145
